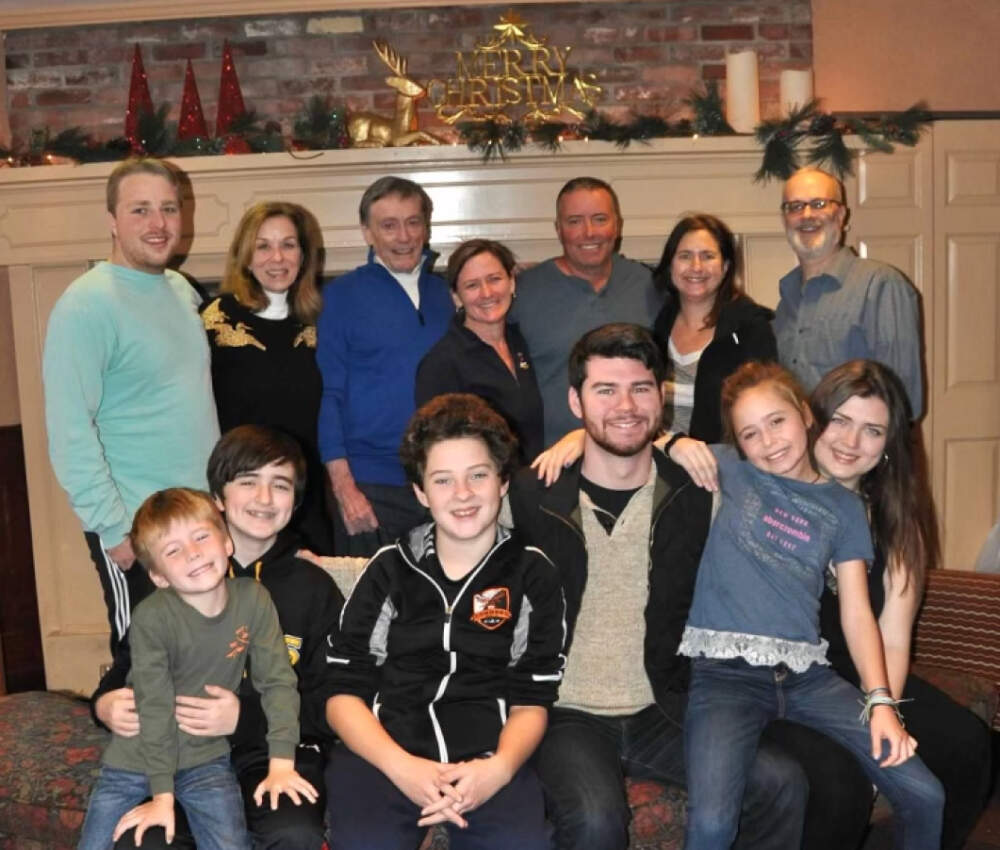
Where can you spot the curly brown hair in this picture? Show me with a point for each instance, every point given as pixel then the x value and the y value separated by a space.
pixel 450 417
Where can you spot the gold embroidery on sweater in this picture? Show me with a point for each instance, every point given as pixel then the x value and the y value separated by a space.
pixel 226 335
pixel 306 337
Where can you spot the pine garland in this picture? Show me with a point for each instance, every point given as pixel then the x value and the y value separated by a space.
pixel 824 133
pixel 709 113
pixel 493 139
pixel 321 126
pixel 807 135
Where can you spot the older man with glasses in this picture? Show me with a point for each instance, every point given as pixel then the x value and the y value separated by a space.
pixel 836 306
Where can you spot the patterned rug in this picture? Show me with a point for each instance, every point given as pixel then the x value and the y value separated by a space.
pixel 49 756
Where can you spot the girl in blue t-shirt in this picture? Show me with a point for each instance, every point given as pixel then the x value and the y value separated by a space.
pixel 753 629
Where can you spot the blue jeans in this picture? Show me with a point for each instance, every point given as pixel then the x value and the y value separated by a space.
pixel 289 827
pixel 584 758
pixel 208 792
pixel 729 705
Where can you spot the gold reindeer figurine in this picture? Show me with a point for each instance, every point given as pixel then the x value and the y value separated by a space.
pixel 369 130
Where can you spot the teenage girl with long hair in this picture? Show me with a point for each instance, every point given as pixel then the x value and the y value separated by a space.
pixel 753 630
pixel 866 442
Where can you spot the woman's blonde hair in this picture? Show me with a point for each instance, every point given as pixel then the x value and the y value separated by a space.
pixel 304 299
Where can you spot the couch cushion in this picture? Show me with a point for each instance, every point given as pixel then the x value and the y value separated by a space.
pixel 959 627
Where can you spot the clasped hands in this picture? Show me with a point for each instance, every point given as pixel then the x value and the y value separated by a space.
pixel 444 791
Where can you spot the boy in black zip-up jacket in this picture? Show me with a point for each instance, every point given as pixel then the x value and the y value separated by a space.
pixel 448 654
pixel 257 476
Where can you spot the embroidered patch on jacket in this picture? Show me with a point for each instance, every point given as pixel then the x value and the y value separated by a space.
pixel 306 337
pixel 294 645
pixel 214 318
pixel 240 643
pixel 491 608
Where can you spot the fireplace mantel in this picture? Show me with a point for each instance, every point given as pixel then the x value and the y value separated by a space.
pixel 56 213
pixel 53 225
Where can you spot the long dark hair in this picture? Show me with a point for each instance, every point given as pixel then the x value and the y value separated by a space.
pixel 896 490
pixel 729 289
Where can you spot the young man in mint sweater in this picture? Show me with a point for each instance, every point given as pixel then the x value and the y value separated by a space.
pixel 126 360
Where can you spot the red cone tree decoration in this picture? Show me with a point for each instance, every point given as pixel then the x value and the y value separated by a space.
pixel 192 121
pixel 139 102
pixel 230 97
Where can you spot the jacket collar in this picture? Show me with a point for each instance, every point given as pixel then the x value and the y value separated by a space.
pixel 287 543
pixel 563 497
pixel 731 316
pixel 419 543
pixel 426 264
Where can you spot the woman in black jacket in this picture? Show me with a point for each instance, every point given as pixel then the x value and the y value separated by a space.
pixel 481 352
pixel 708 326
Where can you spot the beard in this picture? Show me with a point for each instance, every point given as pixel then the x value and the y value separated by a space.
pixel 622 448
pixel 814 245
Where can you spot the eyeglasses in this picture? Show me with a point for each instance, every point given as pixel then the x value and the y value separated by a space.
pixel 816 205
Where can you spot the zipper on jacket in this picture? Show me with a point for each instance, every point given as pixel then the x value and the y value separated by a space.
pixel 449 609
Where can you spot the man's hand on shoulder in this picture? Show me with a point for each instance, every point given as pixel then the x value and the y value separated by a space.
pixel 122 555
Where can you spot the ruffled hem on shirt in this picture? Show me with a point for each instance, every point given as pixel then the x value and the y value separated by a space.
pixel 758 650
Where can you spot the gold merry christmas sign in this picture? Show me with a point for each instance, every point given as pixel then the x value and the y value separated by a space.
pixel 511 75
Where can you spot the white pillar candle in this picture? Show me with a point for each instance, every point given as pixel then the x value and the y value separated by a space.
pixel 742 95
pixel 796 89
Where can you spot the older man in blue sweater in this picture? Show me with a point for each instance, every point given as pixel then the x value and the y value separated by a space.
pixel 377 323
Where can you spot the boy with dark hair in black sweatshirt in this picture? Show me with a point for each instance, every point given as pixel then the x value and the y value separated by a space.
pixel 256 476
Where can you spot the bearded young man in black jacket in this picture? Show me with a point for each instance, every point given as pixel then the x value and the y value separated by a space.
pixel 625 527
pixel 257 476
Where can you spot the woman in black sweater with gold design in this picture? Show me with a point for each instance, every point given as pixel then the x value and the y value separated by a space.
pixel 262 334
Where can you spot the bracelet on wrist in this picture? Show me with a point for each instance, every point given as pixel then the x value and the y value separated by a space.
pixel 880 696
pixel 678 435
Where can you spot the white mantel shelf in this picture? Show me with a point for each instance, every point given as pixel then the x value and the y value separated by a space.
pixel 54 213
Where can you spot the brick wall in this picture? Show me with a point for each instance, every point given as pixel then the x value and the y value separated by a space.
pixel 647 55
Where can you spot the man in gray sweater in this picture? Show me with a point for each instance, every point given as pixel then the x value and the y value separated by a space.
pixel 589 285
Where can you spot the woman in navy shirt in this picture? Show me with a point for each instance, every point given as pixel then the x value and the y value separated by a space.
pixel 482 353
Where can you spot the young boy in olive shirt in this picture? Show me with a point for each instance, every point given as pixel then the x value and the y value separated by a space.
pixel 196 629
